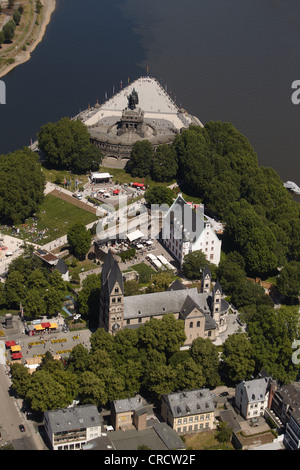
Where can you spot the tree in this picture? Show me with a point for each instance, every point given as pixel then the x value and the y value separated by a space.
pixel 194 263
pixel 238 357
pixel 224 432
pixel 22 186
pixel 166 335
pixel 206 354
pixel 17 17
pixel 189 375
pixel 91 389
pixel 79 359
pixel 164 164
pixel 66 145
pixel 140 163
pixel 159 195
pixel 79 239
pixel 34 304
pixel 9 30
pixel 21 379
pixel 160 282
pixel 46 393
pixel 288 282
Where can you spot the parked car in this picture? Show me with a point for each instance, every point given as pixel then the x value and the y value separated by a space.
pixel 22 428
pixel 224 394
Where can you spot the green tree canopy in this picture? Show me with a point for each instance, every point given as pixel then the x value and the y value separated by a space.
pixel 164 163
pixel 140 163
pixel 79 239
pixel 159 195
pixel 22 186
pixel 66 145
pixel 194 263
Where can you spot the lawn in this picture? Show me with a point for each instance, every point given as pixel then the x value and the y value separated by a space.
pixel 53 221
pixel 205 441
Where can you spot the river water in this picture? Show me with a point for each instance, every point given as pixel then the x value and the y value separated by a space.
pixel 224 60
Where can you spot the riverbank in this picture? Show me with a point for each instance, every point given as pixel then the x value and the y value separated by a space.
pixel 48 8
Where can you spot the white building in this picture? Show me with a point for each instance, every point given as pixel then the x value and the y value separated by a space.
pixel 71 428
pixel 252 396
pixel 185 230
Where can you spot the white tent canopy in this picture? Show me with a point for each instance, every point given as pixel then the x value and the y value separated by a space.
pixel 100 176
pixel 135 235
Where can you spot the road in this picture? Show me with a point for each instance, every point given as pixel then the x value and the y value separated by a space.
pixel 11 417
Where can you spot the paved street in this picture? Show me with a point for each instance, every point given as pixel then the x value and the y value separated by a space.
pixel 11 417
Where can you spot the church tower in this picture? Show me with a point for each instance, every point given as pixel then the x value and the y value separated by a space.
pixel 216 302
pixel 206 281
pixel 112 296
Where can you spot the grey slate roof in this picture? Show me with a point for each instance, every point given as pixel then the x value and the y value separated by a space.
pixel 159 303
pixel 177 285
pixel 192 402
pixel 111 272
pixel 127 404
pixel 67 419
pixel 256 389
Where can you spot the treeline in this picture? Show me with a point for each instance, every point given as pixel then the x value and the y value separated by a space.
pixel 8 31
pixel 22 186
pixel 218 165
pixel 36 288
pixel 148 360
pixel 66 145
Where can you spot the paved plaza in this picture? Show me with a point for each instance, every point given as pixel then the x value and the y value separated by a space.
pixel 57 342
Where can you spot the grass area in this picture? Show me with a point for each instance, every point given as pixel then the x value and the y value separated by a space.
pixel 58 177
pixel 54 219
pixel 205 441
pixel 143 269
pixel 83 266
pixel 121 176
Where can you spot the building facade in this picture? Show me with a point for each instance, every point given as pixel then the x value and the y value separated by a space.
pixel 252 397
pixel 204 313
pixel 185 230
pixel 188 412
pixel 72 428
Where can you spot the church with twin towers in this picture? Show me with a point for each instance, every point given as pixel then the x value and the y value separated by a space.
pixel 204 313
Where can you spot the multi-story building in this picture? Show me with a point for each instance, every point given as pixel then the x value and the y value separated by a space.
pixel 286 400
pixel 292 431
pixel 204 313
pixel 71 428
pixel 251 397
pixel 188 412
pixel 185 231
pixel 128 413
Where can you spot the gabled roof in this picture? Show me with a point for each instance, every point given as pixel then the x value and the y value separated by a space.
pixel 187 223
pixel 176 285
pixel 107 265
pixel 188 306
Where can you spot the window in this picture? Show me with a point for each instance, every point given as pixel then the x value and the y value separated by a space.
pixel 119 299
pixel 198 324
pixel 191 324
pixel 128 322
pixel 116 290
pixel 113 300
